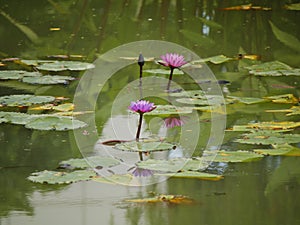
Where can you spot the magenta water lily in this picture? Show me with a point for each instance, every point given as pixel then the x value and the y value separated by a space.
pixel 141 107
pixel 172 60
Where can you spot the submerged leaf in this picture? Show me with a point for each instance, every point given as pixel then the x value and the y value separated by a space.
pixel 172 199
pixel 143 146
pixel 54 177
pixel 24 100
pixel 92 161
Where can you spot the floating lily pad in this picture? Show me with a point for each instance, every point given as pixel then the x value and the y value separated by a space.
pixel 62 107
pixel 24 100
pixel 269 138
pixel 206 100
pixel 35 62
pixel 294 110
pixel 282 149
pixel 171 199
pixel 65 65
pixel 17 118
pixel 55 123
pixel 124 179
pixel 236 156
pixel 218 59
pixel 17 74
pixel 272 125
pixel 163 71
pixel 170 110
pixel 248 100
pixel 190 94
pixel 284 99
pixel 48 79
pixel 54 177
pixel 197 175
pixel 274 68
pixel 143 146
pixel 92 161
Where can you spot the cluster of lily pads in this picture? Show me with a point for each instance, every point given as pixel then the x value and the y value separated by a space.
pixel 37 72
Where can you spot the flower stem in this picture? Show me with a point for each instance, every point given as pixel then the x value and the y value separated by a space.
pixel 138 133
pixel 170 79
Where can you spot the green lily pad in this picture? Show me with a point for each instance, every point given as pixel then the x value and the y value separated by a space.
pixel 142 146
pixel 283 99
pixel 170 110
pixel 35 62
pixel 163 71
pixel 17 118
pixel 17 74
pixel 54 177
pixel 92 161
pixel 267 126
pixel 236 156
pixel 218 59
pixel 65 65
pixel 197 175
pixel 282 149
pixel 124 179
pixel 58 123
pixel 294 110
pixel 206 100
pixel 190 94
pixel 48 79
pixel 274 68
pixel 295 6
pixel 172 165
pixel 24 100
pixel 269 138
pixel 248 100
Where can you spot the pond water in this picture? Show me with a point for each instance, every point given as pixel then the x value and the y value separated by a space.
pixel 264 191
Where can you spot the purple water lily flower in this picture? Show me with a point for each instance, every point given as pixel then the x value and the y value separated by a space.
pixel 142 106
pixel 173 60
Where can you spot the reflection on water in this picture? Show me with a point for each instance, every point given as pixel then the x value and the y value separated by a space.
pixel 262 192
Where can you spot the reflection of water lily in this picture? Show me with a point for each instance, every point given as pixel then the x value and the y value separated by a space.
pixel 173 61
pixel 173 122
pixel 139 172
pixel 142 106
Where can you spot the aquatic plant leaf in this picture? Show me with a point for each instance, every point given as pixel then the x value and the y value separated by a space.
pixel 17 118
pixel 210 23
pixel 64 107
pixel 267 126
pixel 286 99
pixel 124 179
pixel 65 65
pixel 269 138
pixel 281 149
pixel 163 71
pixel 24 100
pixel 54 177
pixel 171 199
pixel 55 123
pixel 274 68
pixel 295 6
pixel 294 110
pixel 236 156
pixel 48 79
pixel 144 146
pixel 92 161
pixel 190 94
pixel 35 62
pixel 207 100
pixel 197 175
pixel 248 100
pixel 170 110
pixel 286 38
pixel 218 59
pixel 17 74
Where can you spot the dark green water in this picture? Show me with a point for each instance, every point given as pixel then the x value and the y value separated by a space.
pixel 261 192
